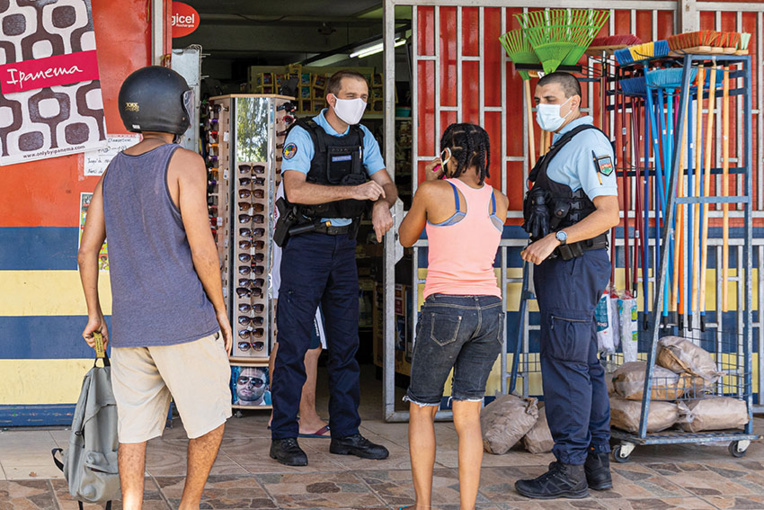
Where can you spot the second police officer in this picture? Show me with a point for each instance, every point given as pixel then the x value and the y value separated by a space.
pixel 572 205
pixel 332 171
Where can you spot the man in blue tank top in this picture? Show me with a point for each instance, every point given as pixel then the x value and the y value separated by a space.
pixel 332 171
pixel 170 333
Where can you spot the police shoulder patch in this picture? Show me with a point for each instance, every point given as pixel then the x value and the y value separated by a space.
pixel 604 165
pixel 290 150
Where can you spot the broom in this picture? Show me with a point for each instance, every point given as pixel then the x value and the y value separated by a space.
pixel 520 51
pixel 585 25
pixel 696 207
pixel 725 188
pixel 706 192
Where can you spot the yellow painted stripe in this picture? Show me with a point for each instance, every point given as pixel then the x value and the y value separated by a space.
pixel 513 289
pixel 41 381
pixel 43 293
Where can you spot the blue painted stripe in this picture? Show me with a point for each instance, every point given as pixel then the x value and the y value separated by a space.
pixel 53 337
pixel 38 248
pixel 36 415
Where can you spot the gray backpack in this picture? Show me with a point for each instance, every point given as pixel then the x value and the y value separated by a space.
pixel 90 463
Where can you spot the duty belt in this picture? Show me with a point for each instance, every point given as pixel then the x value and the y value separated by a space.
pixel 573 250
pixel 326 228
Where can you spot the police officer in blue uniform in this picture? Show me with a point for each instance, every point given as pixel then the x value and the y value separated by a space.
pixel 572 205
pixel 333 171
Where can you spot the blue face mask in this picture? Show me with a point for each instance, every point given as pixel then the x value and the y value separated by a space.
pixel 548 116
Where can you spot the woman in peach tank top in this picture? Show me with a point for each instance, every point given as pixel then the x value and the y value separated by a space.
pixel 462 318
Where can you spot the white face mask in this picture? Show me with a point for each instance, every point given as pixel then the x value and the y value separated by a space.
pixel 548 116
pixel 349 110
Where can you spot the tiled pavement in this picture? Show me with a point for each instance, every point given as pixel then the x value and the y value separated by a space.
pixel 655 478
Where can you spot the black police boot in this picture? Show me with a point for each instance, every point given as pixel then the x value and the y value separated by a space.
pixel 288 452
pixel 359 446
pixel 561 481
pixel 597 468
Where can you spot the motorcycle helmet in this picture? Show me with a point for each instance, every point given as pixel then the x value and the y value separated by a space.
pixel 155 98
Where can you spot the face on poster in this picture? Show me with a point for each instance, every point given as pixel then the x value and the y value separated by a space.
pixel 103 256
pixel 50 92
pixel 250 386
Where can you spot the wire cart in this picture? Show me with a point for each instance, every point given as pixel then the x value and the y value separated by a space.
pixel 726 335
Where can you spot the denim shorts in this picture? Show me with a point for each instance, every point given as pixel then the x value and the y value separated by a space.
pixel 459 332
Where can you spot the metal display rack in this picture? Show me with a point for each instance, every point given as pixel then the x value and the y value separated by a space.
pixel 733 351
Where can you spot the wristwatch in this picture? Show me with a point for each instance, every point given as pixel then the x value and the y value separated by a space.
pixel 562 237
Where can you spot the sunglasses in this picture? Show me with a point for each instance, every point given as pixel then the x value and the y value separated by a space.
pixel 246 218
pixel 251 284
pixel 245 270
pixel 251 232
pixel 246 193
pixel 246 206
pixel 247 333
pixel 247 245
pixel 247 257
pixel 246 308
pixel 257 169
pixel 243 292
pixel 251 321
pixel 243 379
pixel 246 181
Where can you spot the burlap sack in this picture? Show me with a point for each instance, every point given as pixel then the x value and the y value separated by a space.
pixel 539 438
pixel 629 382
pixel 718 413
pixel 506 420
pixel 680 355
pixel 625 415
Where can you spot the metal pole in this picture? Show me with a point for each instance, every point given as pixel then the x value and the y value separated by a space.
pixel 157 31
pixel 388 278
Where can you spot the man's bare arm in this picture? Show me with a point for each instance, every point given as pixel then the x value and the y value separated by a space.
pixel 299 191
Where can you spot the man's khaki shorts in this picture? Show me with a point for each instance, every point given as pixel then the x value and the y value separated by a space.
pixel 195 374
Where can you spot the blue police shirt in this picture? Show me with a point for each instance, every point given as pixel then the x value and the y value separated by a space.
pixel 299 150
pixel 585 162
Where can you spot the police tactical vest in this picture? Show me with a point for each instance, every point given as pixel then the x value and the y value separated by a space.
pixel 566 207
pixel 337 161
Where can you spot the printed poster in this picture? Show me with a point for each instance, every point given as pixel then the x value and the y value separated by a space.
pixel 103 257
pixel 97 161
pixel 50 93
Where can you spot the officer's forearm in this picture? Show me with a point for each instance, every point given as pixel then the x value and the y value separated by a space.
pixel 391 194
pixel 307 193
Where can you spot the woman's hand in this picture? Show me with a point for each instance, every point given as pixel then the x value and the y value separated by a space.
pixel 434 170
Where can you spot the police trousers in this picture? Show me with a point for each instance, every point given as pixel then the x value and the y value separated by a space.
pixel 317 268
pixel 577 404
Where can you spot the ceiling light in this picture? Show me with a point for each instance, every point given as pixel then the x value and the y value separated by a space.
pixel 374 49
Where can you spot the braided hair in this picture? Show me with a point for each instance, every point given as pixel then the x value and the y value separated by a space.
pixel 469 147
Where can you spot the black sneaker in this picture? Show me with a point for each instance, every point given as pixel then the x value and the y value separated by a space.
pixel 288 452
pixel 359 446
pixel 597 468
pixel 561 481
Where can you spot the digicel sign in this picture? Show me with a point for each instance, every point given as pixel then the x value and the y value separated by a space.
pixel 185 19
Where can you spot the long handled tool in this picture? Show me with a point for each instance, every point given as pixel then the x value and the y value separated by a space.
pixel 626 197
pixel 696 193
pixel 646 230
pixel 635 130
pixel 678 283
pixel 529 112
pixel 725 187
pixel 706 192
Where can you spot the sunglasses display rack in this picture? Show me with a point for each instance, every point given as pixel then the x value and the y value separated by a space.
pixel 251 152
pixel 216 130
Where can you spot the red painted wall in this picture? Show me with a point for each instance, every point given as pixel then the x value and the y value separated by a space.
pixel 46 193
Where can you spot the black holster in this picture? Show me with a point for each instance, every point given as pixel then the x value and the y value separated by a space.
pixel 573 250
